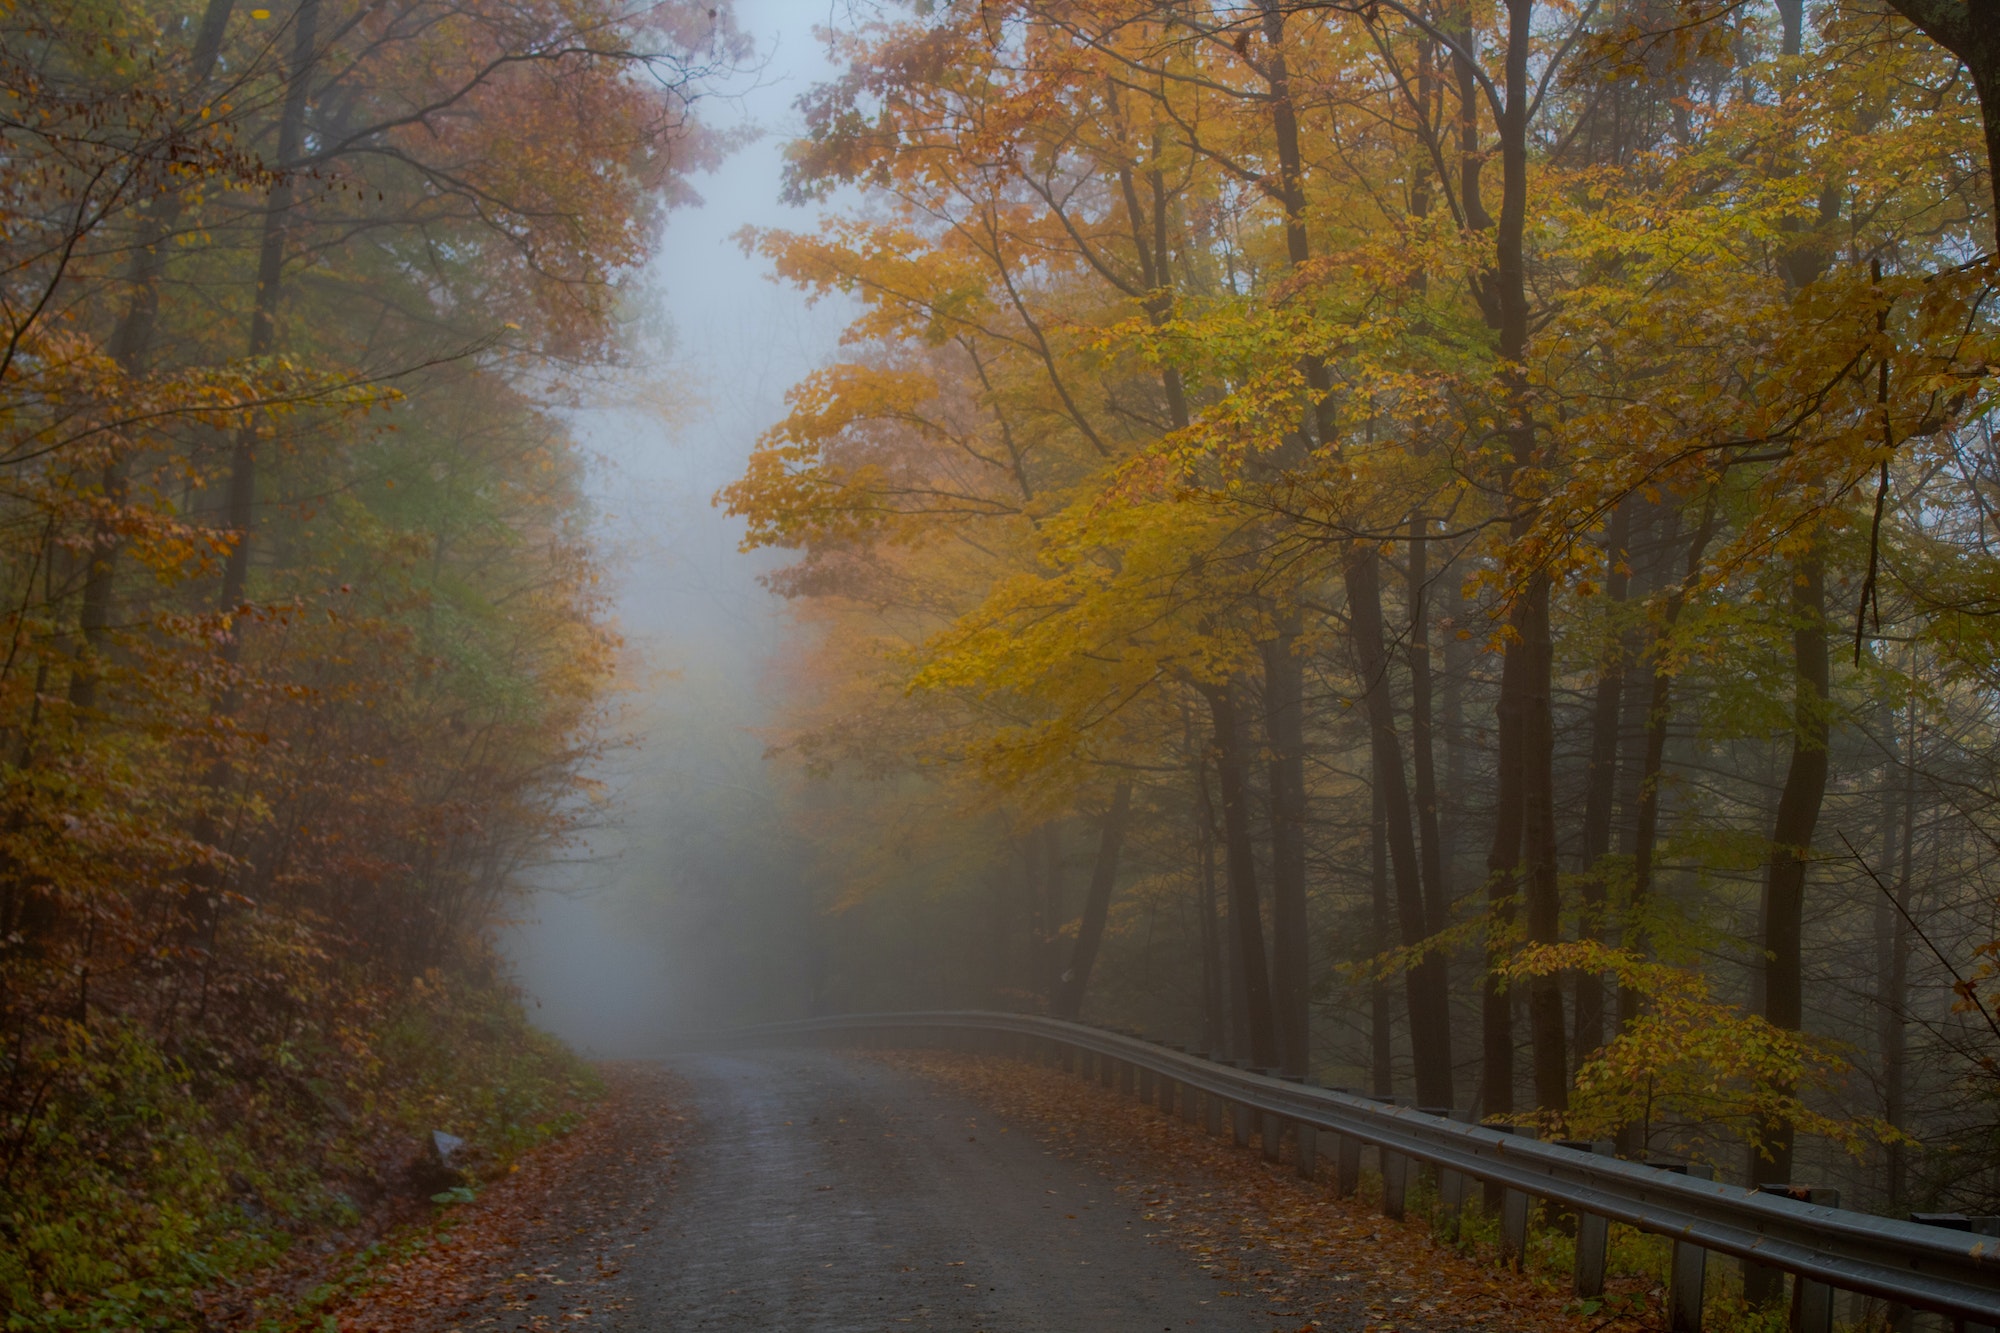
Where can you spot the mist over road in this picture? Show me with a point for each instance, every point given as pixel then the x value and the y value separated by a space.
pixel 826 1192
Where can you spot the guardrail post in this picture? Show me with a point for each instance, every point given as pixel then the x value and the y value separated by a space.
pixel 1212 1111
pixel 1899 1314
pixel 1169 1088
pixel 1431 1171
pixel 1513 1212
pixel 1347 1175
pixel 1513 1228
pixel 1305 1140
pixel 1270 1127
pixel 1239 1124
pixel 1451 1185
pixel 1395 1174
pixel 1689 1281
pixel 1145 1084
pixel 1812 1302
pixel 1395 1182
pixel 1593 1233
pixel 1811 1306
pixel 1191 1096
pixel 1981 1226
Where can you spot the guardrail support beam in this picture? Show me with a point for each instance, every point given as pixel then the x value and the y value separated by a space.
pixel 1513 1228
pixel 1514 1211
pixel 1395 1182
pixel 1899 1314
pixel 1308 1141
pixel 1689 1280
pixel 1593 1238
pixel 1347 1178
pixel 1451 1187
pixel 1811 1307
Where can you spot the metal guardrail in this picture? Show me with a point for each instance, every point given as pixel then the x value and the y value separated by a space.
pixel 1953 1272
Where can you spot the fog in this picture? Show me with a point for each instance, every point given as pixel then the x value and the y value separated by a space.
pixel 642 929
pixel 1138 693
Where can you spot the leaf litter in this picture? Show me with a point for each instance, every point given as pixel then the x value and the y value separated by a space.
pixel 539 1248
pixel 1257 1228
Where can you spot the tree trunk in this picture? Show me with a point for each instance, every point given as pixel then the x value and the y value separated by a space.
pixel 1429 1005
pixel 1646 818
pixel 1215 1026
pixel 1542 897
pixel 1284 728
pixel 1381 1072
pixel 1032 863
pixel 1892 944
pixel 1503 858
pixel 1097 905
pixel 1240 875
pixel 1785 876
pixel 1423 746
pixel 1970 30
pixel 1524 834
pixel 1048 967
pixel 239 508
pixel 1458 659
pixel 131 346
pixel 1284 681
pixel 992 951
pixel 1601 780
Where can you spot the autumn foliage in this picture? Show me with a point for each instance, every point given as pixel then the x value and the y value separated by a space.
pixel 305 648
pixel 1467 524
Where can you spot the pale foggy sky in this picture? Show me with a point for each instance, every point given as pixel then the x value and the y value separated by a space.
pixel 594 954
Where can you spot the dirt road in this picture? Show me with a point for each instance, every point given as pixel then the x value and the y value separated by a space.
pixel 798 1190
pixel 826 1192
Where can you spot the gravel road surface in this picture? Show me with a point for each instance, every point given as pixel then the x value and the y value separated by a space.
pixel 824 1192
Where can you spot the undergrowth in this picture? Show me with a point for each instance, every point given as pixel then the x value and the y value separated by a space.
pixel 1638 1264
pixel 146 1176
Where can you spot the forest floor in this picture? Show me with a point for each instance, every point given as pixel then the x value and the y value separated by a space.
pixel 534 1249
pixel 811 1190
